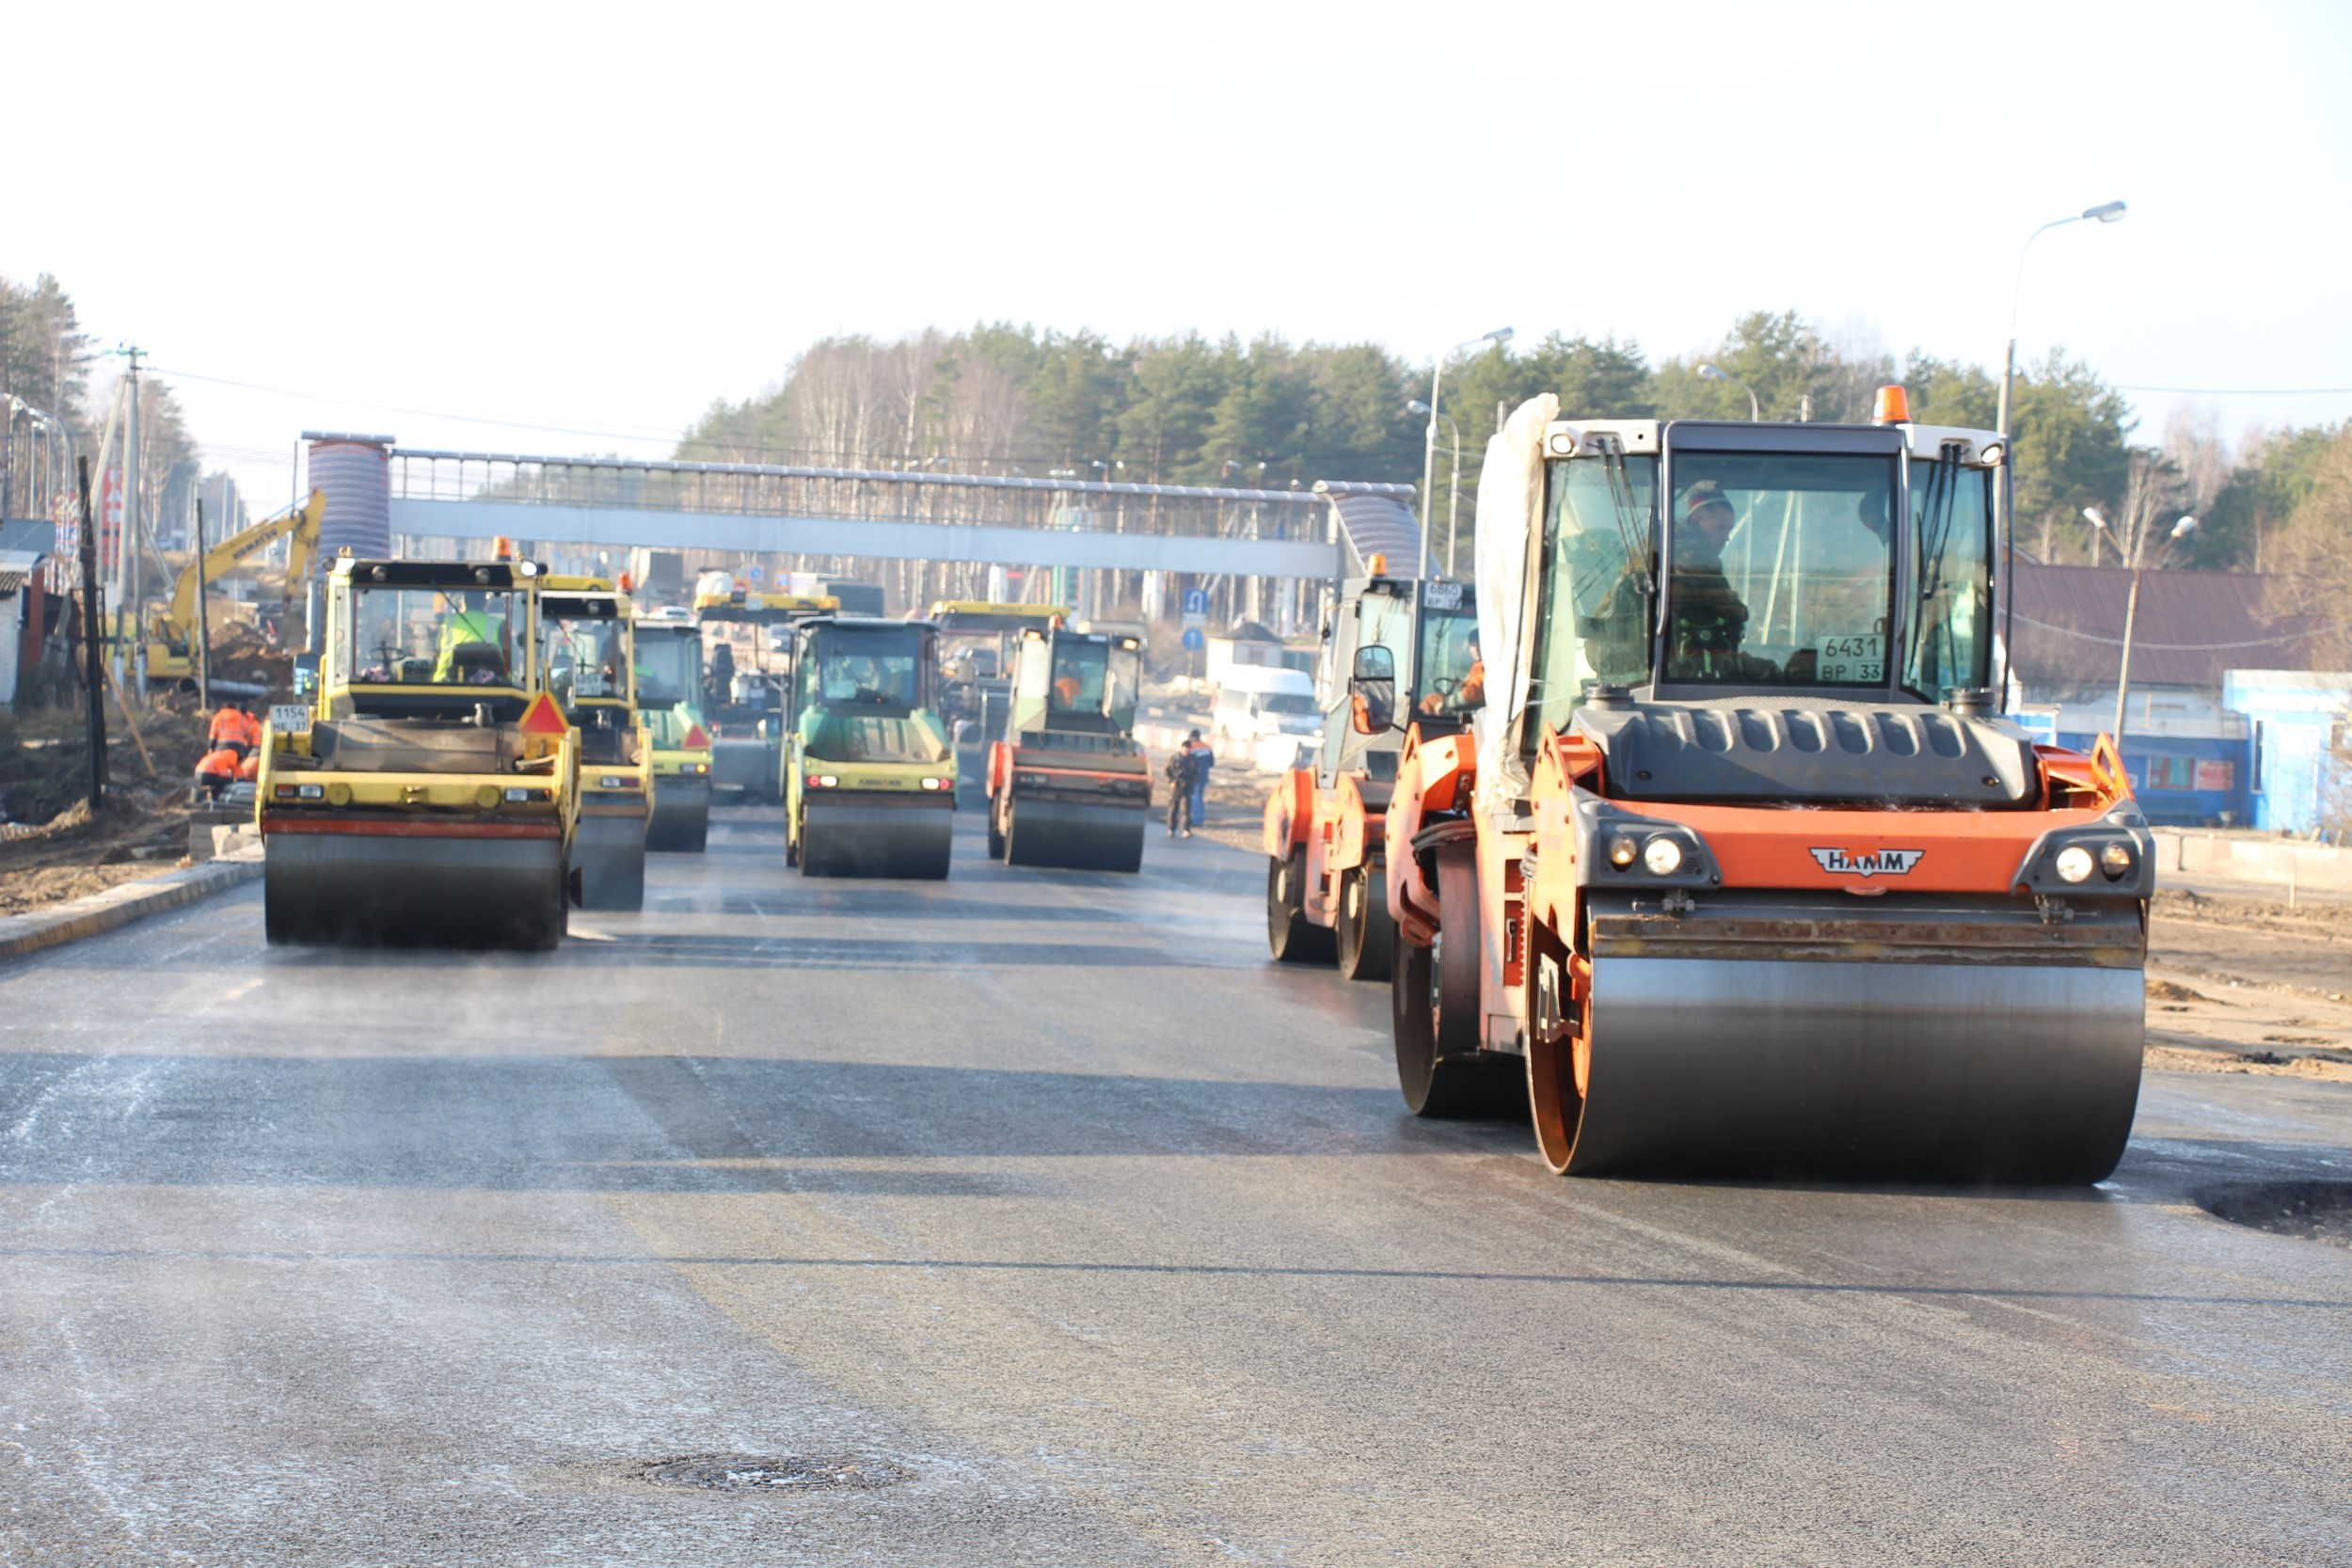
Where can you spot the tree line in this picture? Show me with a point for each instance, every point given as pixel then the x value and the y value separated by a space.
pixel 1267 413
pixel 46 360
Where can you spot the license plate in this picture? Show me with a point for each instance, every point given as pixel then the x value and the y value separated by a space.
pixel 1441 595
pixel 289 717
pixel 1859 660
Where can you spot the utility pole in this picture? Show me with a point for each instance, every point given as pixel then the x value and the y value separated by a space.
pixel 93 664
pixel 132 612
pixel 203 624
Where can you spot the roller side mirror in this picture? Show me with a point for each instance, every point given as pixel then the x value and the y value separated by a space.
pixel 1372 690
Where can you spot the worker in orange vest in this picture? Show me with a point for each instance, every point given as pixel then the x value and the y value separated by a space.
pixel 250 768
pixel 250 729
pixel 216 770
pixel 228 729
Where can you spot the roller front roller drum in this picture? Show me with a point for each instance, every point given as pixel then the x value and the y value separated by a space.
pixel 414 891
pixel 854 839
pixel 609 860
pixel 2024 1072
pixel 1290 936
pixel 1074 835
pixel 681 815
pixel 1433 999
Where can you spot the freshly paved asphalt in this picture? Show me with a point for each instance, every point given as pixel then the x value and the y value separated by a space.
pixel 1048 1190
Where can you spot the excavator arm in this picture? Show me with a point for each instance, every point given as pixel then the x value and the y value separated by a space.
pixel 303 527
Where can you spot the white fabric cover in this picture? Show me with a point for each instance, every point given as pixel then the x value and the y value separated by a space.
pixel 1510 511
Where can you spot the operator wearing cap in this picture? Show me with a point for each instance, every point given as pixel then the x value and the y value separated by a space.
pixel 1709 618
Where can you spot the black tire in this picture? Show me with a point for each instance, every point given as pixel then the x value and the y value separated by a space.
pixel 1364 932
pixel 1290 937
pixel 995 834
pixel 1433 1004
pixel 791 846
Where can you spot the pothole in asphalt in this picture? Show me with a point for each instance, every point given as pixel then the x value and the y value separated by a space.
pixel 2309 1210
pixel 752 1472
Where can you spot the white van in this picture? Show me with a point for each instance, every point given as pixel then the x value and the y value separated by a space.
pixel 1264 702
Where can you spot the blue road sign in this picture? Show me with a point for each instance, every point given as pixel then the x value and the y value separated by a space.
pixel 1192 640
pixel 1196 604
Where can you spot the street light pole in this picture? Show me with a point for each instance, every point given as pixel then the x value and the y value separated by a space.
pixel 1499 337
pixel 1756 409
pixel 2106 212
pixel 1454 483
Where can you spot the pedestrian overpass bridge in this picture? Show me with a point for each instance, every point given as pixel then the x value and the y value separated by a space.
pixel 902 514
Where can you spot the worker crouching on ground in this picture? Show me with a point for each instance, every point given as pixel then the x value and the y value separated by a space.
pixel 236 730
pixel 216 770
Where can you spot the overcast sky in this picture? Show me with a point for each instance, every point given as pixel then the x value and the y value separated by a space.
pixel 581 224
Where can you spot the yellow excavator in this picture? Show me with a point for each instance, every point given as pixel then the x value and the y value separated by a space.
pixel 172 631
pixel 429 794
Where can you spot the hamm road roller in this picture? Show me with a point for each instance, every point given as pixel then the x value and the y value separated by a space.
pixel 429 795
pixel 870 774
pixel 1739 870
pixel 669 703
pixel 1326 891
pixel 591 672
pixel 1068 785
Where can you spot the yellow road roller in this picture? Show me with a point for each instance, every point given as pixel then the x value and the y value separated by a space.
pixel 669 703
pixel 429 795
pixel 592 671
pixel 868 771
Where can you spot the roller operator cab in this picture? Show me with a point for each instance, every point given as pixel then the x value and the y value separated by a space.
pixel 591 653
pixel 669 703
pixel 430 794
pixel 868 771
pixel 1402 658
pixel 1068 785
pixel 1739 870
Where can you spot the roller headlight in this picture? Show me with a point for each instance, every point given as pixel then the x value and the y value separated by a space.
pixel 1662 856
pixel 2073 863
pixel 1621 851
pixel 516 794
pixel 2116 861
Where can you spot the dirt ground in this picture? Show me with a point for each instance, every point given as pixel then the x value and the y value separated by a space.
pixel 48 855
pixel 2237 982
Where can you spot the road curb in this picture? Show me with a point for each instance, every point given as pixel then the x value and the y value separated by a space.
pixel 20 934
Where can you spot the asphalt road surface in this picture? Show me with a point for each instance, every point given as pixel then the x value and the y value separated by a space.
pixel 1034 1218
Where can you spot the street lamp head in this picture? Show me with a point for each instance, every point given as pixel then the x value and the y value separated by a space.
pixel 2106 212
pixel 1709 373
pixel 1499 337
pixel 1417 406
pixel 2182 528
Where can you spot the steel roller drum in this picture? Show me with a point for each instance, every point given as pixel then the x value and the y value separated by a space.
pixel 413 891
pixel 681 815
pixel 843 838
pixel 609 858
pixel 1077 835
pixel 1972 1071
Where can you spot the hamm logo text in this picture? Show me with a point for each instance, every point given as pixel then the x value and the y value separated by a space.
pixel 1874 862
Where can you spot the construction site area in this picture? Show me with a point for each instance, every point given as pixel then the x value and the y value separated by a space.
pixel 694 1051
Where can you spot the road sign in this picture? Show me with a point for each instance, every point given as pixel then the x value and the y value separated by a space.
pixel 1193 639
pixel 754 573
pixel 1196 610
